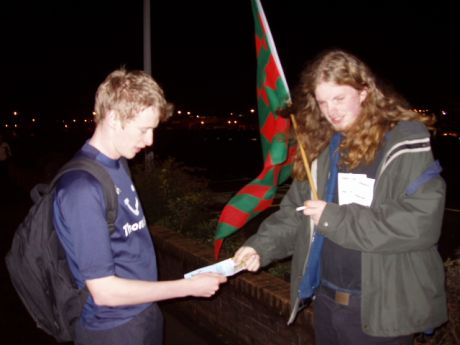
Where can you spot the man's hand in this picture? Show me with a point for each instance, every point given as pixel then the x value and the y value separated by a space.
pixel 314 209
pixel 205 284
pixel 247 258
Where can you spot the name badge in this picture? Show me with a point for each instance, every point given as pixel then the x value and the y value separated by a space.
pixel 355 188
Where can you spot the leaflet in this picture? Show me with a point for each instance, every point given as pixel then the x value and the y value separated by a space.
pixel 355 188
pixel 226 267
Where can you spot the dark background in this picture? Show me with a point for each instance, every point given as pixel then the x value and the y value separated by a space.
pixel 55 53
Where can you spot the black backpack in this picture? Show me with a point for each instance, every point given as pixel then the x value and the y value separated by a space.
pixel 37 263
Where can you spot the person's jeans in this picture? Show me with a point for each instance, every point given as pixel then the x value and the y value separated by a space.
pixel 339 324
pixel 145 329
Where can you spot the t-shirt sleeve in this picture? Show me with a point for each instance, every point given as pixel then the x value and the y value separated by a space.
pixel 80 216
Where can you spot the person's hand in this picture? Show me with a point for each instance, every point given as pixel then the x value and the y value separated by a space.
pixel 247 258
pixel 314 209
pixel 206 284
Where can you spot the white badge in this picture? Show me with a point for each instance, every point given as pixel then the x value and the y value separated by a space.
pixel 355 188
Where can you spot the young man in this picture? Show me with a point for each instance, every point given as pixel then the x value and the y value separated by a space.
pixel 119 270
pixel 381 277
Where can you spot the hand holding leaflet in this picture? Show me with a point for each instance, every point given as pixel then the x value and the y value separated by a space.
pixel 225 267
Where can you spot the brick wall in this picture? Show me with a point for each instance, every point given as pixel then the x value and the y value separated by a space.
pixel 250 309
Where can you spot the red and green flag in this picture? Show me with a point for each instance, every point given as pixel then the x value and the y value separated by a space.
pixel 278 151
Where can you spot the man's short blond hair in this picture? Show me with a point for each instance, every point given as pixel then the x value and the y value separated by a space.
pixel 128 93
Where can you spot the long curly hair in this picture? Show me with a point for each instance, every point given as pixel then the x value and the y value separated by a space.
pixel 380 111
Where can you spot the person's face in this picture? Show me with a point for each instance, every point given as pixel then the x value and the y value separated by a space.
pixel 135 134
pixel 339 104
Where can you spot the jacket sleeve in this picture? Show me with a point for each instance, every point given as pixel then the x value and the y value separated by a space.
pixel 406 213
pixel 276 236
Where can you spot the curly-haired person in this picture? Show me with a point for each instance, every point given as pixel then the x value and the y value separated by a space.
pixel 374 229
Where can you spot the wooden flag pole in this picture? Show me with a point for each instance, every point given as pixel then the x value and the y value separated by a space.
pixel 305 161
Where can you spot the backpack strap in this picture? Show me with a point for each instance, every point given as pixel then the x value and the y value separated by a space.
pixel 94 168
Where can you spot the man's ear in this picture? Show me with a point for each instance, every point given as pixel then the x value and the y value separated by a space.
pixel 363 95
pixel 113 119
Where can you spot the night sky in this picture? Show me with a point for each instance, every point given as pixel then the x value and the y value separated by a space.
pixel 55 53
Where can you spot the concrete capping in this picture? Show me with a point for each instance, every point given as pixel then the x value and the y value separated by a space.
pixel 249 309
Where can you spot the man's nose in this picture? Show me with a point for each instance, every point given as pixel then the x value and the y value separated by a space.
pixel 331 109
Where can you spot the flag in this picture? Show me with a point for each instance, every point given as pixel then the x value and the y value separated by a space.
pixel 278 151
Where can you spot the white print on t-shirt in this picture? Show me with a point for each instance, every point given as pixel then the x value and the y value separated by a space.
pixel 129 228
pixel 135 210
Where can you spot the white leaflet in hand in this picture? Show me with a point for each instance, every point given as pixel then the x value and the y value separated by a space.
pixel 226 268
pixel 355 188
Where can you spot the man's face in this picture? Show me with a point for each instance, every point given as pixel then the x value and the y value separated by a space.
pixel 135 134
pixel 339 104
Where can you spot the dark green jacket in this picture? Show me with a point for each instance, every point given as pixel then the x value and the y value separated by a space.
pixel 402 272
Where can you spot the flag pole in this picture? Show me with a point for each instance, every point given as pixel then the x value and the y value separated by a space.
pixel 305 161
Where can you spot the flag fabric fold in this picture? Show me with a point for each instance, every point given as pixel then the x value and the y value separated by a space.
pixel 278 151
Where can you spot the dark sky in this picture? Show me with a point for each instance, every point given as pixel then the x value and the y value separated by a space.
pixel 55 53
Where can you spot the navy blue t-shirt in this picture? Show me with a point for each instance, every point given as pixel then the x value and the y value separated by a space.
pixel 80 221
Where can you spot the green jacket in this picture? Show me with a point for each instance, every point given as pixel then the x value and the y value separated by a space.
pixel 402 272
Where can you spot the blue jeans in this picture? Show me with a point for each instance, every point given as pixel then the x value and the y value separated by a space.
pixel 145 329
pixel 338 324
